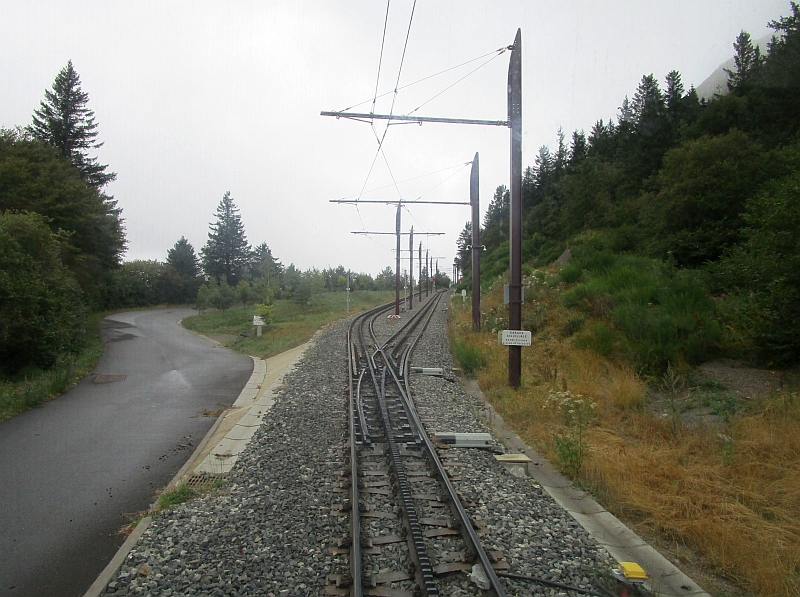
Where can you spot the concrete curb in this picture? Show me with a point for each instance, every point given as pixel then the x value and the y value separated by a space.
pixel 665 579
pixel 224 455
pixel 101 582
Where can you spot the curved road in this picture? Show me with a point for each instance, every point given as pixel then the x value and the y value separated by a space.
pixel 72 468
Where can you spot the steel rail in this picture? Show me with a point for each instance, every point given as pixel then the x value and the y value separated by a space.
pixel 362 419
pixel 356 573
pixel 468 532
pixel 423 566
pixel 423 560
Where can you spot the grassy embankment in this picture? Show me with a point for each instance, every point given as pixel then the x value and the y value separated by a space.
pixel 292 324
pixel 622 333
pixel 33 386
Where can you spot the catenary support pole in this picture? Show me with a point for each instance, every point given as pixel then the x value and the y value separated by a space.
pixel 397 266
pixel 411 270
pixel 515 219
pixel 476 245
pixel 420 272
pixel 427 272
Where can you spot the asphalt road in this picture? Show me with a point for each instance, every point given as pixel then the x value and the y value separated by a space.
pixel 72 468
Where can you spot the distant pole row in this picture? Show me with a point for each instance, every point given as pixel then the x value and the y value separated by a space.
pixel 514 123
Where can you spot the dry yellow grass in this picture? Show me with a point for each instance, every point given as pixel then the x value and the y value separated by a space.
pixel 730 494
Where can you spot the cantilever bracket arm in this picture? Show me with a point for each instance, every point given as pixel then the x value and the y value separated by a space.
pixel 419 119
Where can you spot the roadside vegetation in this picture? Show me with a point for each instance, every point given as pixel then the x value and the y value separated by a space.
pixel 666 338
pixel 33 385
pixel 711 474
pixel 291 325
pixel 62 239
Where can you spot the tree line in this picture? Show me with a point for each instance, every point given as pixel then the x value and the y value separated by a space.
pixel 61 235
pixel 227 270
pixel 708 187
pixel 62 239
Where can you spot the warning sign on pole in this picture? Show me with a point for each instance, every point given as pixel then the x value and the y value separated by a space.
pixel 514 338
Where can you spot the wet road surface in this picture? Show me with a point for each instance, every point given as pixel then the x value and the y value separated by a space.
pixel 72 468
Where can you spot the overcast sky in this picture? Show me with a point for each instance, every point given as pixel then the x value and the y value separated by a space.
pixel 197 98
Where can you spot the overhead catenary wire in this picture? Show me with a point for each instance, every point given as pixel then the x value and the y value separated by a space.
pixel 381 139
pixel 403 57
pixel 394 99
pixel 449 87
pixel 380 58
pixel 441 72
pixel 436 186
pixel 375 96
pixel 460 165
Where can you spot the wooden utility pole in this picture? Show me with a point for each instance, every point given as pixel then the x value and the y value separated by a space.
pixel 515 224
pixel 474 195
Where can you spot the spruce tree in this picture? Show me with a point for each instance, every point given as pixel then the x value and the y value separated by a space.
pixel 747 62
pixel 674 92
pixel 64 121
pixel 578 148
pixel 264 265
pixel 183 258
pixel 648 106
pixel 226 252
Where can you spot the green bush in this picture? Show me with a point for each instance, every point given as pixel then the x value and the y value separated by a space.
pixel 599 338
pixel 468 356
pixel 570 273
pixel 656 313
pixel 573 325
pixel 765 271
pixel 43 312
pixel 266 313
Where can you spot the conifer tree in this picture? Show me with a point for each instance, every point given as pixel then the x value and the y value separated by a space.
pixel 674 92
pixel 648 106
pixel 544 167
pixel 265 265
pixel 464 258
pixel 226 252
pixel 183 258
pixel 64 121
pixel 747 62
pixel 578 148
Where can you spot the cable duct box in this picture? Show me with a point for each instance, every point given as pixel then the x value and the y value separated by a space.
pixel 466 440
pixel 428 370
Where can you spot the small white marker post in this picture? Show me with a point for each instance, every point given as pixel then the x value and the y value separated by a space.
pixel 258 323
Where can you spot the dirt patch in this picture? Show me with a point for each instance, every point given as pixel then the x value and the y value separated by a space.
pixel 712 393
pixel 748 383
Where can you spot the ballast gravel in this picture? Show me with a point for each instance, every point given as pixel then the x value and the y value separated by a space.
pixel 269 530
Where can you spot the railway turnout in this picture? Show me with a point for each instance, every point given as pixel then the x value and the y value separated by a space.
pixel 386 434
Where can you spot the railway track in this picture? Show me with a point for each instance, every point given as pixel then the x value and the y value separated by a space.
pixel 410 533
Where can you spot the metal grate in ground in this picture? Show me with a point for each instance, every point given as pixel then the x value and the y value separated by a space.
pixel 109 378
pixel 205 481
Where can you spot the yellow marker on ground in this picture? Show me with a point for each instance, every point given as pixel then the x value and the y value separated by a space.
pixel 632 572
